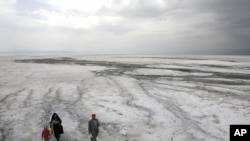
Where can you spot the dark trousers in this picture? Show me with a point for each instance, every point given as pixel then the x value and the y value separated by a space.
pixel 57 136
pixel 93 138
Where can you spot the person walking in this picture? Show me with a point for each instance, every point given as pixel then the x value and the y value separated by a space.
pixel 56 126
pixel 45 134
pixel 93 127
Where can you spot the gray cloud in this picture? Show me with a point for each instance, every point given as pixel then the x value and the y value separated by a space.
pixel 142 9
pixel 136 26
pixel 234 22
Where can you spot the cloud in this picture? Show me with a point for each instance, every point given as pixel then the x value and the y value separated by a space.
pixel 126 26
pixel 143 9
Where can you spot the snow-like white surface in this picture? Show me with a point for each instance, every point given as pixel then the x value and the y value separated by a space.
pixel 135 98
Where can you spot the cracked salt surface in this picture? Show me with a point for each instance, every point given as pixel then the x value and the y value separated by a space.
pixel 178 98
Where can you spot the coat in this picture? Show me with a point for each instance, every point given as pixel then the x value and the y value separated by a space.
pixel 93 127
pixel 56 125
pixel 45 133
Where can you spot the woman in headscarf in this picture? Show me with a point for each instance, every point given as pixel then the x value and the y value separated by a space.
pixel 56 127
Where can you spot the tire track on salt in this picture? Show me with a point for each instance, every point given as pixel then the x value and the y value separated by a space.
pixel 186 119
pixel 131 102
pixel 70 109
pixel 8 103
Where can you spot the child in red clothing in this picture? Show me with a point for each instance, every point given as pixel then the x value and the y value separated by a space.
pixel 46 134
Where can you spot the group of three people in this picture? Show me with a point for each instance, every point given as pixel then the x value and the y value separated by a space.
pixel 57 129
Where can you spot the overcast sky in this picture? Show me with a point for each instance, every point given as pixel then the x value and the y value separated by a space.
pixel 126 26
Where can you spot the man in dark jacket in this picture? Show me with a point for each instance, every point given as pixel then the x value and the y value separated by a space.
pixel 93 127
